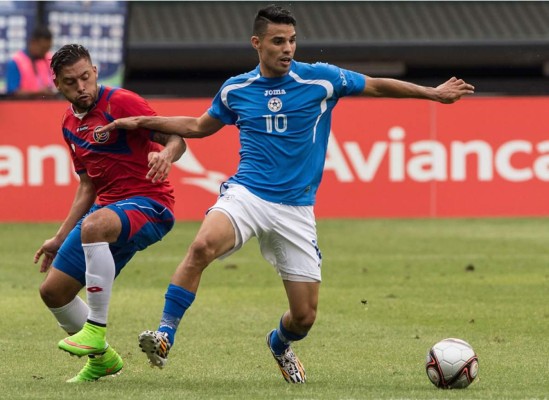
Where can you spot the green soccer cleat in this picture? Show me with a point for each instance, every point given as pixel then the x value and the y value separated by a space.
pixel 98 366
pixel 90 340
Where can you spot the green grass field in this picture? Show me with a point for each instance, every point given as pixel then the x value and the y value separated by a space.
pixel 391 289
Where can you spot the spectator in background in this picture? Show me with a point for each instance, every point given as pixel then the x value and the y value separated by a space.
pixel 28 73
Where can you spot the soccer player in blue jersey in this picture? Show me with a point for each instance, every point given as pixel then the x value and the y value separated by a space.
pixel 123 204
pixel 283 110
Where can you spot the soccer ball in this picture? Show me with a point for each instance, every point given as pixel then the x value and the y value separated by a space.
pixel 452 364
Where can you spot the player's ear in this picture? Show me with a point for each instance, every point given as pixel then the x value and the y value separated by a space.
pixel 255 42
pixel 56 82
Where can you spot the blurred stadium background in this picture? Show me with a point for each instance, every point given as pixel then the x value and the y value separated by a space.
pixel 188 48
pixel 191 46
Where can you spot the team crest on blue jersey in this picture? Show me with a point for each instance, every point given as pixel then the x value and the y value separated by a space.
pixel 100 137
pixel 274 104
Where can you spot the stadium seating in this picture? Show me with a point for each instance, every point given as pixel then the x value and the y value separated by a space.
pixel 191 47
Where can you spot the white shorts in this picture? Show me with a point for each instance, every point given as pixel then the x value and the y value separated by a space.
pixel 287 234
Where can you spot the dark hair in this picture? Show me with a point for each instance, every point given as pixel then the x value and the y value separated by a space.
pixel 272 14
pixel 69 54
pixel 41 32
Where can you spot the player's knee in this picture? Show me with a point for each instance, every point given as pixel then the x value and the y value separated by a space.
pixel 202 252
pixel 305 320
pixel 91 231
pixel 52 297
pixel 96 228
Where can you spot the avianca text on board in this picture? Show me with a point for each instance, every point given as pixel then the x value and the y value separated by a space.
pixel 419 161
pixel 407 158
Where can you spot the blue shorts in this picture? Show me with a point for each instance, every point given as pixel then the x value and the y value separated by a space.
pixel 144 222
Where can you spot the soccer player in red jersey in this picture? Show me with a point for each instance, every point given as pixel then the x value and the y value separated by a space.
pixel 122 205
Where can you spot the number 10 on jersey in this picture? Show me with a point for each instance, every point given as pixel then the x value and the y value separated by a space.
pixel 277 122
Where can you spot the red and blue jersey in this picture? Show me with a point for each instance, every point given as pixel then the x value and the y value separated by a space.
pixel 116 161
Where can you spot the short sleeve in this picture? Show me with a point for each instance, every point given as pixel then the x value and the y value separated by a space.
pixel 352 83
pixel 220 111
pixel 128 104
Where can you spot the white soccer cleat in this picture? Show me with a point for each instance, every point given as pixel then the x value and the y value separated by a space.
pixel 156 346
pixel 290 366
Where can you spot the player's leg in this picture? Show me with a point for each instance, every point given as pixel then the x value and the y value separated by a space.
pixel 64 280
pixel 303 301
pixel 215 237
pixel 292 248
pixel 111 236
pixel 143 222
pixel 59 291
pixel 98 230
pixel 294 326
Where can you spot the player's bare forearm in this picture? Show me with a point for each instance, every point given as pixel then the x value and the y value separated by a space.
pixel 83 200
pixel 186 127
pixel 166 125
pixel 174 146
pixel 448 92
pixel 181 126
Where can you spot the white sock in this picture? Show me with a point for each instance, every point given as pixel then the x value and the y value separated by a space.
pixel 100 271
pixel 71 317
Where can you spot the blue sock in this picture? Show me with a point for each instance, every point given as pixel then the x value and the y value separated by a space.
pixel 177 302
pixel 282 338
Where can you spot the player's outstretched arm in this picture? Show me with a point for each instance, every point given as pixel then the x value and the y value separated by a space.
pixel 187 127
pixel 448 92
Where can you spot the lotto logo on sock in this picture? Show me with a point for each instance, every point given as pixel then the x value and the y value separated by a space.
pixel 94 289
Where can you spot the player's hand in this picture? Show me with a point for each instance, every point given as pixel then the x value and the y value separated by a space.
pixel 128 123
pixel 452 90
pixel 160 165
pixel 48 250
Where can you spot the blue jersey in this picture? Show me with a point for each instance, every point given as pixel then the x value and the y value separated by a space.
pixel 284 127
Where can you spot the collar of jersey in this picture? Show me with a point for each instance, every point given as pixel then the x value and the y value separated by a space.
pixel 285 76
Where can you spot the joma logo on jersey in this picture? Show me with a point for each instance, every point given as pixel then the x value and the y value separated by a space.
pixel 275 92
pixel 100 137
pixel 82 128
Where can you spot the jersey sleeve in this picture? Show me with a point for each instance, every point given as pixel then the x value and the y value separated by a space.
pixel 346 82
pixel 220 111
pixel 128 104
pixel 124 103
pixel 352 82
